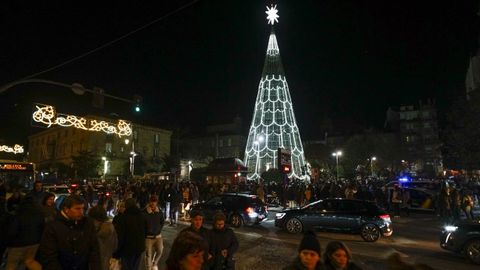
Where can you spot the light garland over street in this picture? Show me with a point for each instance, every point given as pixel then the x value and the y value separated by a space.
pixel 47 115
pixel 16 149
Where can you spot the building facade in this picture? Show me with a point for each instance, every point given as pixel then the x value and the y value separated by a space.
pixel 122 157
pixel 419 134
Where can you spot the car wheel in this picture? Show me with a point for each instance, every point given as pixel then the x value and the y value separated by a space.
pixel 236 220
pixel 370 232
pixel 472 250
pixel 294 225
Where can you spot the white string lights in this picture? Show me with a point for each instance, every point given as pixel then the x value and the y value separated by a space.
pixel 273 125
pixel 16 149
pixel 47 115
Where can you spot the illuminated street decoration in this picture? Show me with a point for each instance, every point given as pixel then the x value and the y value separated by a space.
pixel 47 115
pixel 273 124
pixel 16 149
pixel 272 15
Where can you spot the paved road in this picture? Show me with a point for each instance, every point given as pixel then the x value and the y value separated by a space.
pixel 415 237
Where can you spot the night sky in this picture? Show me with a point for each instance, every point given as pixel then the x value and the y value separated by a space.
pixel 348 60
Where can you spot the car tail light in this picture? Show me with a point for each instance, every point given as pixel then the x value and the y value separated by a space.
pixel 74 185
pixel 108 194
pixel 249 210
pixel 385 217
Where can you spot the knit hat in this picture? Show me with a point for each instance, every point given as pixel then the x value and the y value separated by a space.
pixel 310 242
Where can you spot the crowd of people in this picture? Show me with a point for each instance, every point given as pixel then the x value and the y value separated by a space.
pixel 92 231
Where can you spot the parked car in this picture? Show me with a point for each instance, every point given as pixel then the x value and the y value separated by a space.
pixel 239 208
pixel 463 238
pixel 337 214
pixel 58 190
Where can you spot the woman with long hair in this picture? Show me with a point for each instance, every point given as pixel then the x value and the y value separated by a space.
pixel 187 252
pixel 337 256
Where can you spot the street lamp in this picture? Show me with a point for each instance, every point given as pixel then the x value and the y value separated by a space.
pixel 337 155
pixel 105 167
pixel 372 159
pixel 190 166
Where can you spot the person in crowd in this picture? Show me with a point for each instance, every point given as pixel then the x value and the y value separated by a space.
pixel 23 235
pixel 106 235
pixel 14 201
pixel 309 254
pixel 396 200
pixel 175 200
pixel 70 241
pixel 187 253
pixel 166 199
pixel 196 226
pixel 48 207
pixel 223 244
pixel 350 191
pixel 37 192
pixel 337 256
pixel 406 201
pixel 467 204
pixel 131 228
pixel 153 241
pixel 456 204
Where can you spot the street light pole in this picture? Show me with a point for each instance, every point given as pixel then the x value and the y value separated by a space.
pixel 372 159
pixel 337 156
pixel 75 87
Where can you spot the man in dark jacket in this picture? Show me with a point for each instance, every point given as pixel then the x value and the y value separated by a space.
pixel 24 231
pixel 37 192
pixel 69 241
pixel 131 228
pixel 196 226
pixel 223 245
pixel 154 241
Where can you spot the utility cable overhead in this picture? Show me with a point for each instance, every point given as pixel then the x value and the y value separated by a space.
pixel 113 41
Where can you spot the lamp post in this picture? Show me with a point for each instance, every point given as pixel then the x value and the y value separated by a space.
pixel 105 167
pixel 132 157
pixel 75 87
pixel 337 155
pixel 190 166
pixel 372 159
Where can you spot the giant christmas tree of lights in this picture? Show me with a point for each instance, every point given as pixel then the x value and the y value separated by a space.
pixel 273 124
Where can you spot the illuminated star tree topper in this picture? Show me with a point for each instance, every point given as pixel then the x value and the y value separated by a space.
pixel 272 15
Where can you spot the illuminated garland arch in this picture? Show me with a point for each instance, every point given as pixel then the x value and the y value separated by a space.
pixel 47 115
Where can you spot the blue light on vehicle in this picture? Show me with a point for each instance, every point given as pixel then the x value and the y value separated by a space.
pixel 403 179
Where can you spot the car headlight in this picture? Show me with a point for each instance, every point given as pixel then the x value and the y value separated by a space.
pixel 450 228
pixel 280 215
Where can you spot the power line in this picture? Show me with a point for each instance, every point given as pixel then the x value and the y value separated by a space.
pixel 113 41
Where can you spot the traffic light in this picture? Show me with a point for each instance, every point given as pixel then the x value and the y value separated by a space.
pixel 137 103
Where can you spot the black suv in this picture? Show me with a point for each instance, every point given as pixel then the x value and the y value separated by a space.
pixel 463 238
pixel 340 215
pixel 239 208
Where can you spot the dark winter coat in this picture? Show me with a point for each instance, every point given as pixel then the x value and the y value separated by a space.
pixel 155 221
pixel 297 265
pixel 68 244
pixel 220 240
pixel 131 228
pixel 26 227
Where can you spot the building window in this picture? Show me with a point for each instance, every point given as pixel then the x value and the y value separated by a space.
pixel 220 143
pixel 135 135
pixel 155 152
pixel 108 147
pixel 427 125
pixel 229 142
pixel 157 138
pixel 122 149
pixel 408 139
